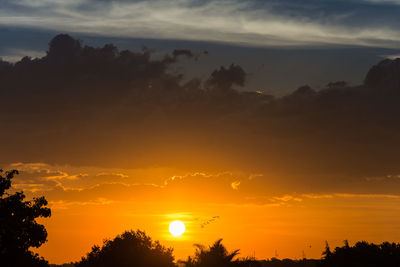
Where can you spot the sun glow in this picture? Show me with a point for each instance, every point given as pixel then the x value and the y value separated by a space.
pixel 177 228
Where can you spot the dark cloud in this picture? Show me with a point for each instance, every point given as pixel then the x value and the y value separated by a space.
pixel 183 52
pixel 225 78
pixel 267 68
pixel 385 75
pixel 86 105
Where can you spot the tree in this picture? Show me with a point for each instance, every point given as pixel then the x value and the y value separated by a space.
pixel 215 255
pixel 327 252
pixel 364 254
pixel 19 230
pixel 129 249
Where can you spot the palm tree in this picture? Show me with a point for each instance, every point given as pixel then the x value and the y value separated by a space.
pixel 215 255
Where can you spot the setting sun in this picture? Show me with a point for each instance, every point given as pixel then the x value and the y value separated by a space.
pixel 177 228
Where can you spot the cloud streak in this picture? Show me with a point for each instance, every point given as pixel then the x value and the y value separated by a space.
pixel 247 23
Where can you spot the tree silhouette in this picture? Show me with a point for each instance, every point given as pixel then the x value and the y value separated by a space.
pixel 215 255
pixel 327 252
pixel 364 254
pixel 129 249
pixel 19 230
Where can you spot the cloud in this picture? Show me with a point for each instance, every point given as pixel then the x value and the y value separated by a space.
pixel 270 23
pixel 112 174
pixel 235 185
pixel 117 110
pixel 255 176
pixel 317 196
pixel 350 195
pixel 368 196
pixel 287 198
pixel 392 57
pixel 15 54
pixel 395 2
pixel 62 205
pixel 97 188
pixel 66 186
pixel 97 185
pixel 41 178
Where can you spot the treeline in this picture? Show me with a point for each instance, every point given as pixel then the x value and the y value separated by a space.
pixel 135 248
pixel 362 254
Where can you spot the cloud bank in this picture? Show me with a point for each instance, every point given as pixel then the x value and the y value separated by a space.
pixel 87 106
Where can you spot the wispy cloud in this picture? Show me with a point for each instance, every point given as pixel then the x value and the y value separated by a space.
pixel 350 195
pixel 392 56
pixel 61 204
pixel 240 22
pixel 235 185
pixel 395 2
pixel 67 187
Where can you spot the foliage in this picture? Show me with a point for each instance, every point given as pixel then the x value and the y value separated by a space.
pixel 129 249
pixel 364 254
pixel 19 230
pixel 327 252
pixel 215 255
pixel 282 263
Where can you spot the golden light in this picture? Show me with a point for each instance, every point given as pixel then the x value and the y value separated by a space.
pixel 177 228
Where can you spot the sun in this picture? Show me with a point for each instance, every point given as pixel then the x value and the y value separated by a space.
pixel 177 228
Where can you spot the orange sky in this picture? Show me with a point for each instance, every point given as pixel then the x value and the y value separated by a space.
pixel 90 204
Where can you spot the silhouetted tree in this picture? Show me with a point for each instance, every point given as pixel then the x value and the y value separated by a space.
pixel 129 249
pixel 215 255
pixel 19 230
pixel 327 252
pixel 364 254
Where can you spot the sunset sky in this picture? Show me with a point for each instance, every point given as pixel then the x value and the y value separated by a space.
pixel 119 140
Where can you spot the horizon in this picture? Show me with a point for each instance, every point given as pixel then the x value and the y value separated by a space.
pixel 270 124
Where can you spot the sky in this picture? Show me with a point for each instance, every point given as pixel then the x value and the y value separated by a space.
pixel 252 22
pixel 271 124
pixel 324 35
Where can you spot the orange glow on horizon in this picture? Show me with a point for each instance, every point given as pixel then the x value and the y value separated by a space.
pixel 96 204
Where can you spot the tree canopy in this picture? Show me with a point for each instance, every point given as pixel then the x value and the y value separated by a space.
pixel 363 254
pixel 19 230
pixel 132 248
pixel 215 255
